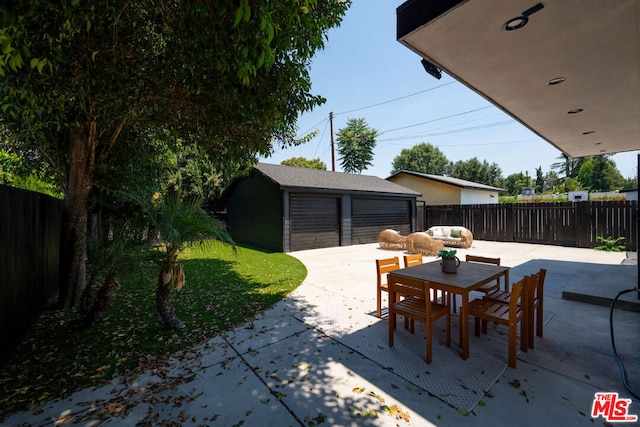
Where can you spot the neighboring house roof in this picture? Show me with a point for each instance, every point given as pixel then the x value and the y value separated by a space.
pixel 289 177
pixel 452 181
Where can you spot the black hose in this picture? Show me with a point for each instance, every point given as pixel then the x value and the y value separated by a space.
pixel 613 343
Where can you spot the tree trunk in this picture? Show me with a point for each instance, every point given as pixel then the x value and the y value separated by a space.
pixel 165 309
pixel 73 245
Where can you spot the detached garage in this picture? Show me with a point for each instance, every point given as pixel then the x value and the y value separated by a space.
pixel 285 208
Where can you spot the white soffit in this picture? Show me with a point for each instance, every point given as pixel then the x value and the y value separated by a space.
pixel 594 45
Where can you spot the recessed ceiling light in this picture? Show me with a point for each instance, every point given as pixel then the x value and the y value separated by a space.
pixel 556 81
pixel 575 111
pixel 598 143
pixel 520 21
pixel 589 132
pixel 515 23
pixel 603 151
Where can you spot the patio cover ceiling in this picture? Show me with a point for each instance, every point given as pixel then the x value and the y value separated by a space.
pixel 591 48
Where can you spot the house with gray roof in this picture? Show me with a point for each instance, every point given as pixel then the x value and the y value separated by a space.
pixel 444 190
pixel 285 208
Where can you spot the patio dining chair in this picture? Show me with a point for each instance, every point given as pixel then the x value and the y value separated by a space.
pixel 416 305
pixel 535 303
pixel 412 259
pixel 488 287
pixel 416 259
pixel 384 266
pixel 492 311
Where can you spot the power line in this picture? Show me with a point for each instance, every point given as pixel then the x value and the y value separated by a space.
pixel 477 144
pixel 467 129
pixel 321 136
pixel 393 100
pixel 438 119
pixel 420 133
pixel 312 127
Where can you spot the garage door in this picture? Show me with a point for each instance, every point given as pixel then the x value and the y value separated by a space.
pixel 371 216
pixel 315 222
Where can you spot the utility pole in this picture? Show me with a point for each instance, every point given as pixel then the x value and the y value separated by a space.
pixel 333 155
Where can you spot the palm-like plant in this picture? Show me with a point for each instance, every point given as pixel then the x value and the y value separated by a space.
pixel 178 224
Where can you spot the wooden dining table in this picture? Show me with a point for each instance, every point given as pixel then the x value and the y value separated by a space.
pixel 469 276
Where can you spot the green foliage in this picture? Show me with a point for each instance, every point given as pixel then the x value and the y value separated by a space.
pixel 539 180
pixel 195 174
pixel 301 162
pixel 629 182
pixel 552 182
pixel 195 70
pixel 572 184
pixel 422 158
pixel 514 183
pixel 475 171
pixel 226 288
pixel 77 76
pixel 181 223
pixel 355 145
pixel 536 199
pixel 610 244
pixel 567 166
pixel 599 173
pixel 447 253
pixel 17 173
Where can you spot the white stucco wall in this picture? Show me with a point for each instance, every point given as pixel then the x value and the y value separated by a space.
pixel 478 197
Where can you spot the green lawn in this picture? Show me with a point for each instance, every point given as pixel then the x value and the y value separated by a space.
pixel 222 289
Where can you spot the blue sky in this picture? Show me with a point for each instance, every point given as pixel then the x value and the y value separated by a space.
pixel 364 72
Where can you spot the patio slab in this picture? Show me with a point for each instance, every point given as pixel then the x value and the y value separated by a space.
pixel 277 370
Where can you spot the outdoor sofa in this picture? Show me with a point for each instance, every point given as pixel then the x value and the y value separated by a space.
pixel 451 236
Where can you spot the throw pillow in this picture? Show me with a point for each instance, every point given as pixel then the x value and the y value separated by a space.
pixel 456 233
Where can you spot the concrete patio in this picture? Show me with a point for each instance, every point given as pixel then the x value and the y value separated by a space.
pixel 278 370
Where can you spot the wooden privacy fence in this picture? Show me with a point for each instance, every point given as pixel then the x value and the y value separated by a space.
pixel 565 224
pixel 30 225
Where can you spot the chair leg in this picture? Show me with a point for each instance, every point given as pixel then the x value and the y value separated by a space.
pixel 452 298
pixel 477 326
pixel 449 329
pixel 379 304
pixel 428 326
pixel 512 345
pixel 530 325
pixel 524 335
pixel 392 327
pixel 539 320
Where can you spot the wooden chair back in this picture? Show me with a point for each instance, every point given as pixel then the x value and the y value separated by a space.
pixel 384 266
pixel 535 304
pixel 483 259
pixel 413 259
pixel 410 288
pixel 516 311
pixel 411 302
pixel 484 288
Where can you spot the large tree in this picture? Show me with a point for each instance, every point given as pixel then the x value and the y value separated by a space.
pixel 476 171
pixel 232 74
pixel 515 182
pixel 568 166
pixel 422 158
pixel 302 162
pixel 540 184
pixel 356 142
pixel 599 173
